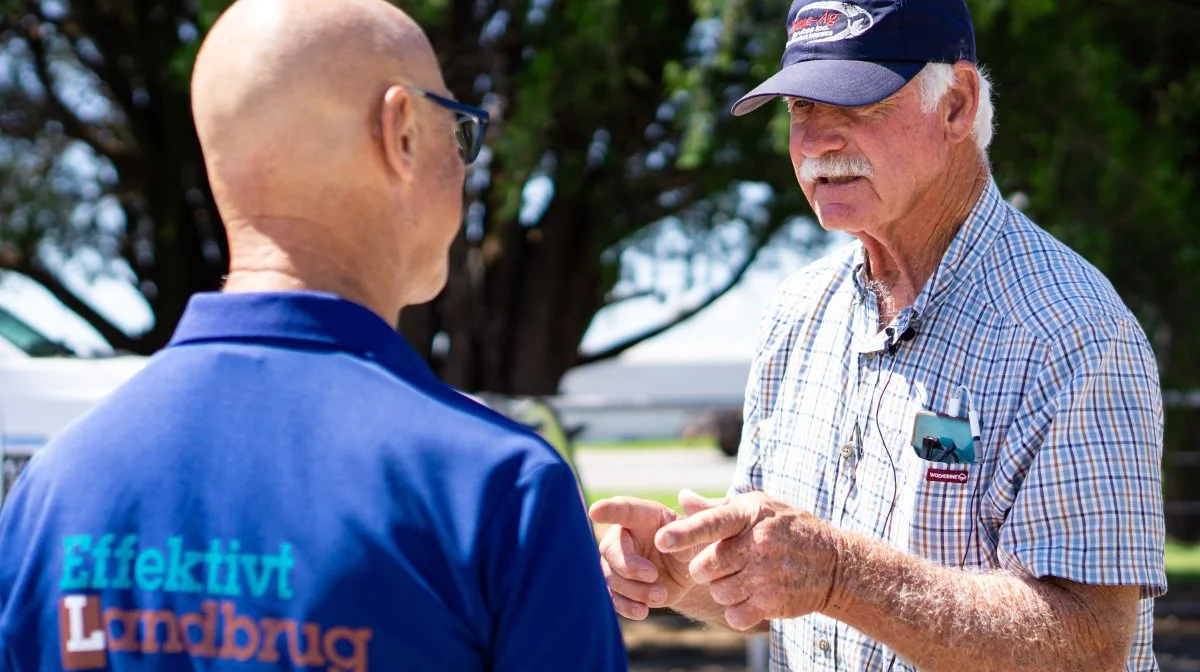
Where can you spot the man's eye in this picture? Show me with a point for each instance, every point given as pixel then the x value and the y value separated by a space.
pixel 797 104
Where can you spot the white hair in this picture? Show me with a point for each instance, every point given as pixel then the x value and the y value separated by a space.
pixel 935 79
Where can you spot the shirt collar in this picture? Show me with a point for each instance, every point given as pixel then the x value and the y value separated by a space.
pixel 966 251
pixel 962 257
pixel 312 318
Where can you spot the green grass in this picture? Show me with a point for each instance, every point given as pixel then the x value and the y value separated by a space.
pixel 671 499
pixel 1183 563
pixel 648 444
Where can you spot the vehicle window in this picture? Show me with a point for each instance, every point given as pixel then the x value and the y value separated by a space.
pixel 27 339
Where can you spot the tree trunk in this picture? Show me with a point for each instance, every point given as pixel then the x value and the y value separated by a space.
pixel 174 216
pixel 516 327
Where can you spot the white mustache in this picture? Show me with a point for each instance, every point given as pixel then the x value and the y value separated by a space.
pixel 834 166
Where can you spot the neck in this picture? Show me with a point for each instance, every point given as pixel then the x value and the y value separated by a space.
pixel 902 256
pixel 281 254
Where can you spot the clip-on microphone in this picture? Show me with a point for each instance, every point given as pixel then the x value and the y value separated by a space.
pixel 894 341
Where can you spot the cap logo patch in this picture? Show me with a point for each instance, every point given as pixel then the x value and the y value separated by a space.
pixel 828 21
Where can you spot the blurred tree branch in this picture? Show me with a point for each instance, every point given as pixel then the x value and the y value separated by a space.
pixel 739 272
pixel 95 136
pixel 31 268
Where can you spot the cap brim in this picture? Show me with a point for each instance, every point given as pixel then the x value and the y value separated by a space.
pixel 841 83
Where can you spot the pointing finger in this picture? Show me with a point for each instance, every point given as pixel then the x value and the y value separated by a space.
pixel 704 528
pixel 641 516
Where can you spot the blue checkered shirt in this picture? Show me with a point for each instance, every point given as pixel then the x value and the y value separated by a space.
pixel 1066 481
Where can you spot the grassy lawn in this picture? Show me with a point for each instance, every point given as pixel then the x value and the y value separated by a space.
pixel 671 499
pixel 648 444
pixel 1183 563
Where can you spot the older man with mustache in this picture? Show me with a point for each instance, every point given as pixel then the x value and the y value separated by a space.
pixel 953 427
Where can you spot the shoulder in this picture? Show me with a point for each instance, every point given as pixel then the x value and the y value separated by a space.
pixel 804 297
pixel 396 425
pixel 804 292
pixel 449 429
pixel 1037 282
pixel 814 280
pixel 1066 305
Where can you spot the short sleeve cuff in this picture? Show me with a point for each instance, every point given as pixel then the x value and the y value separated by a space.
pixel 1140 567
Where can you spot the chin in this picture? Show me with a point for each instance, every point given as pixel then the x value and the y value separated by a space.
pixel 852 206
pixel 841 218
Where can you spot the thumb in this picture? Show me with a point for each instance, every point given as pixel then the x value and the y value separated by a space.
pixel 693 503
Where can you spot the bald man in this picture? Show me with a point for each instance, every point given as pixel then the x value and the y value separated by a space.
pixel 286 485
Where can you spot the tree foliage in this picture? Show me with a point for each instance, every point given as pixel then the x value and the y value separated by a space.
pixel 102 79
pixel 612 124
pixel 1099 104
pixel 611 111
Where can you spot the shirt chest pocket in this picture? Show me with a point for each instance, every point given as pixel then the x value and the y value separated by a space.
pixel 945 510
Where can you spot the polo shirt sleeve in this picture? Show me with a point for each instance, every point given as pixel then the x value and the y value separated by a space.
pixel 1089 508
pixel 550 606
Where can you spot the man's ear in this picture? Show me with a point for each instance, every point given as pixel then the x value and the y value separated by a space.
pixel 962 102
pixel 398 132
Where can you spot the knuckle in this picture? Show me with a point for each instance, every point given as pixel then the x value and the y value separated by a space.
pixel 722 556
pixel 728 591
pixel 722 595
pixel 757 609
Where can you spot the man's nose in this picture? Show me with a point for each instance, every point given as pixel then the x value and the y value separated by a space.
pixel 819 134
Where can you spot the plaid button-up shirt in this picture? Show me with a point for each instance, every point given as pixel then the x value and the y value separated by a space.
pixel 1066 480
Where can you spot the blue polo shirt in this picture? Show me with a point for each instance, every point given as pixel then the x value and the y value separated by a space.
pixel 287 486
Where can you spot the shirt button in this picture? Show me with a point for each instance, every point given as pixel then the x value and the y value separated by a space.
pixel 847 450
pixel 823 644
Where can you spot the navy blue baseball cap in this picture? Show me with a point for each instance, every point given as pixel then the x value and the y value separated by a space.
pixel 858 52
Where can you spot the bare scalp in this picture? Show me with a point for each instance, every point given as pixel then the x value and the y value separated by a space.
pixel 285 94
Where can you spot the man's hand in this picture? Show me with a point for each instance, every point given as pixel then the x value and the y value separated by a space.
pixel 760 558
pixel 639 575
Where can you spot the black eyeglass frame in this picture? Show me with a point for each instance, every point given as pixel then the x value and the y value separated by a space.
pixel 463 113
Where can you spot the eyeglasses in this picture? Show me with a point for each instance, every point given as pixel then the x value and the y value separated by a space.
pixel 470 123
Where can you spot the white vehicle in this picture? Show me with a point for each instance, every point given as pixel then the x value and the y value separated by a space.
pixel 44 387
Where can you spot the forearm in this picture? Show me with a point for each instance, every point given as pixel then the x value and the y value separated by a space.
pixel 938 618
